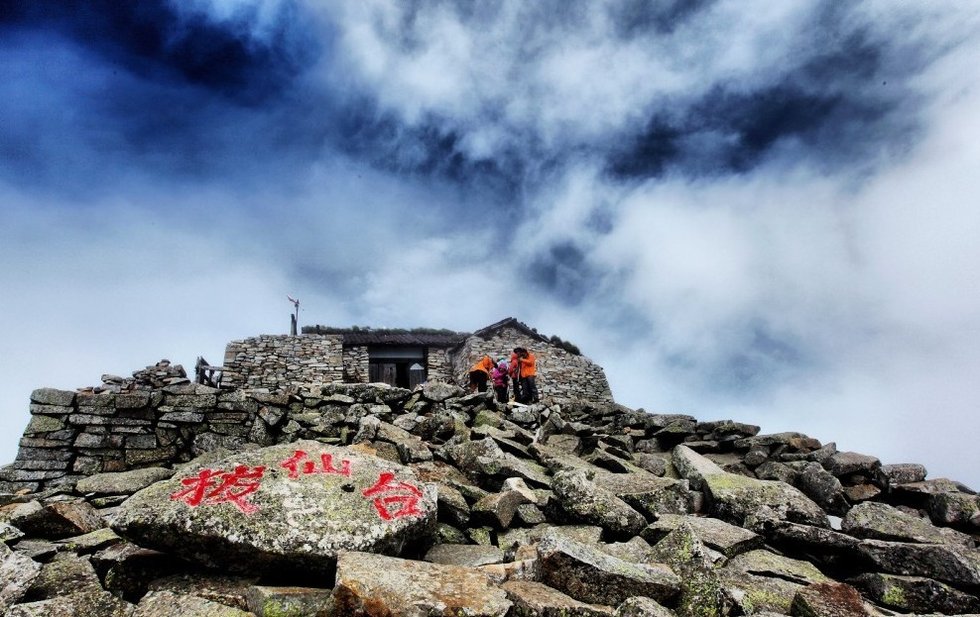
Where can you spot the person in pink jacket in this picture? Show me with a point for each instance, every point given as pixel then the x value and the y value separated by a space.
pixel 499 376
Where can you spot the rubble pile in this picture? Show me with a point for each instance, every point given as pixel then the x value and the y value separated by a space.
pixel 363 499
pixel 158 375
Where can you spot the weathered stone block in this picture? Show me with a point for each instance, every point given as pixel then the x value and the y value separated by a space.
pixel 102 399
pixel 122 483
pixel 141 442
pixel 56 410
pixel 183 417
pixel 44 424
pixel 413 588
pixel 589 575
pixel 52 396
pixel 43 454
pixel 42 465
pixel 132 400
pixel 89 440
pixel 136 458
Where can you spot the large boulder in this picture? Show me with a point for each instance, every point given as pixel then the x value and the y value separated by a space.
pixel 883 522
pixel 700 587
pixel 17 573
pixel 369 584
pixel 693 467
pixel 822 487
pixel 828 600
pixel 716 534
pixel 294 505
pixel 595 504
pixel 590 575
pixel 762 581
pixel 61 519
pixel 735 498
pixel 917 594
pixel 950 563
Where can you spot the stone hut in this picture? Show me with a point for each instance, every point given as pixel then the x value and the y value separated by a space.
pixel 321 354
pixel 563 373
pixel 406 358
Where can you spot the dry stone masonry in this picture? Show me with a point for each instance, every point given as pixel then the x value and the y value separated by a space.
pixel 354 499
pixel 269 361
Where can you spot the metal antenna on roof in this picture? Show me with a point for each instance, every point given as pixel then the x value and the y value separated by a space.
pixel 294 318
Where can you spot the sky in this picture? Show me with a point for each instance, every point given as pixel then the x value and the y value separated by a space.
pixel 762 211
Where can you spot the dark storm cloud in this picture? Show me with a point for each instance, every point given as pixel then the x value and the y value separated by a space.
pixel 95 92
pixel 640 17
pixel 563 270
pixel 429 149
pixel 834 109
pixel 153 39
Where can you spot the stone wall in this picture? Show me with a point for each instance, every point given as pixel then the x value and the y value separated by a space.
pixel 438 364
pixel 72 435
pixel 561 376
pixel 357 364
pixel 271 361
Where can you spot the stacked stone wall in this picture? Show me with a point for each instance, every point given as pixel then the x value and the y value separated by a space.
pixel 357 364
pixel 273 361
pixel 72 435
pixel 439 365
pixel 561 376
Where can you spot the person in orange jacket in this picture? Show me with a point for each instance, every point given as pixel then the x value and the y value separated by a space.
pixel 515 373
pixel 528 370
pixel 480 374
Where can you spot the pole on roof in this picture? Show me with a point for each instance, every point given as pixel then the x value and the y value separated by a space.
pixel 294 318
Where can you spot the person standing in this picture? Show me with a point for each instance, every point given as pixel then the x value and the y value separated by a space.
pixel 480 374
pixel 515 373
pixel 528 371
pixel 499 375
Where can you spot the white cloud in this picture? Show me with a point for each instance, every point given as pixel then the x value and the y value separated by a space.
pixel 872 280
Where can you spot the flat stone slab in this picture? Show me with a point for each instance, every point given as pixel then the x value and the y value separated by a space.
pixel 169 603
pixel 734 498
pixel 123 482
pixel 766 563
pixel 471 555
pixel 589 575
pixel 728 539
pixel 57 520
pixel 916 594
pixel 82 603
pixel 369 584
pixel 295 504
pixel 289 601
pixel 830 599
pixel 537 599
pixel 950 563
pixel 883 522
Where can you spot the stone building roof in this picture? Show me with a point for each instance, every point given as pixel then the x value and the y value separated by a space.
pixel 427 337
pixel 510 322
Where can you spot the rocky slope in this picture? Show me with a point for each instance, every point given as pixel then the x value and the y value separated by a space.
pixel 369 500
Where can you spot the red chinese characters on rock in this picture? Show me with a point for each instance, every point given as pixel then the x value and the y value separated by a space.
pixel 214 486
pixel 292 464
pixel 394 499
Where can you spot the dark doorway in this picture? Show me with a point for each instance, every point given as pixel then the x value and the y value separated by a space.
pixel 403 367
